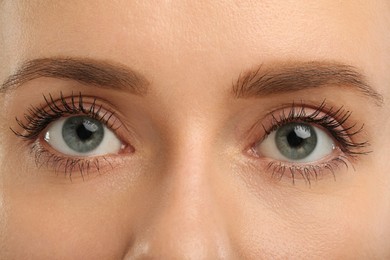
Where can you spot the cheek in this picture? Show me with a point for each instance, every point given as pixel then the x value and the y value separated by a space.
pixel 338 224
pixel 3 208
pixel 316 234
pixel 95 219
pixel 50 227
pixel 66 221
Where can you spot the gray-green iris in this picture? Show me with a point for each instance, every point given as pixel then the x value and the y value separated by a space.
pixel 82 134
pixel 296 140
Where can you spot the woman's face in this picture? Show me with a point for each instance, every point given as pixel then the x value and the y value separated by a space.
pixel 194 129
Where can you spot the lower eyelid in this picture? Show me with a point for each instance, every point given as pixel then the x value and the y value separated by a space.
pixel 308 173
pixel 72 167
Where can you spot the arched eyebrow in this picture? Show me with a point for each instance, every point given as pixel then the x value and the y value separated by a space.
pixel 86 71
pixel 292 77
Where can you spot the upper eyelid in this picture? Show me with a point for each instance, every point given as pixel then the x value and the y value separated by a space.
pixel 38 117
pixel 344 128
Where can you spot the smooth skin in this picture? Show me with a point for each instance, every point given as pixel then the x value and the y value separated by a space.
pixel 190 191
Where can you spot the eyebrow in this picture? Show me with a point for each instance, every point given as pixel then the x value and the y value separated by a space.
pixel 292 77
pixel 86 71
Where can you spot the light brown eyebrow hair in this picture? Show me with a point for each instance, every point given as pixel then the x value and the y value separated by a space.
pixel 291 77
pixel 86 71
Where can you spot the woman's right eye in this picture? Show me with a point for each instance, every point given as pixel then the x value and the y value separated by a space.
pixel 73 134
pixel 297 142
pixel 82 136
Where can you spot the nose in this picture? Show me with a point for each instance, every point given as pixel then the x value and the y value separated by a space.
pixel 187 221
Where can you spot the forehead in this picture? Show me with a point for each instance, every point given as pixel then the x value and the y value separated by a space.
pixel 197 25
pixel 202 36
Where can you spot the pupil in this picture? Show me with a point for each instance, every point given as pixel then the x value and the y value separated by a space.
pixel 294 140
pixel 83 133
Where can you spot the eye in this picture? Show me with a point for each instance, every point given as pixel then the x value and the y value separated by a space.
pixel 296 142
pixel 82 136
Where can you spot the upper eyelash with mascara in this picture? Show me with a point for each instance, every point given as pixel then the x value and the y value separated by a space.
pixel 333 120
pixel 38 118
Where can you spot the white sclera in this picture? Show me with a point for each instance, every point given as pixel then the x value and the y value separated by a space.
pixel 325 146
pixel 109 145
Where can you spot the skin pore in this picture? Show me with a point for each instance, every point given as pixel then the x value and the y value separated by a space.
pixel 191 179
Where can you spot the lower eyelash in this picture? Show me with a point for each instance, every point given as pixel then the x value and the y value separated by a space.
pixel 68 165
pixel 308 172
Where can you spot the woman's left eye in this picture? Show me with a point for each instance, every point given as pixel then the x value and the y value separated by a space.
pixel 82 136
pixel 296 142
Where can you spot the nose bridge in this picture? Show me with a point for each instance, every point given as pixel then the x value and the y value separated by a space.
pixel 187 222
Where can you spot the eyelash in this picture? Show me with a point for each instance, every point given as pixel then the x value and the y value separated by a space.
pixel 38 118
pixel 333 121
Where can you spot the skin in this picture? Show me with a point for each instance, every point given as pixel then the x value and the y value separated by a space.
pixel 190 191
